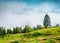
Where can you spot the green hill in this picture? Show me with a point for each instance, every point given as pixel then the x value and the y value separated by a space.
pixel 45 35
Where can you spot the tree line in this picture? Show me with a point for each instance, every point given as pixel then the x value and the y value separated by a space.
pixel 16 30
pixel 27 28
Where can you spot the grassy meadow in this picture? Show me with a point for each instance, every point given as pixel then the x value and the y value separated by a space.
pixel 29 21
pixel 45 35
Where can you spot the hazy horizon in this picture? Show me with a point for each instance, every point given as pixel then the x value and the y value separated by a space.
pixel 28 12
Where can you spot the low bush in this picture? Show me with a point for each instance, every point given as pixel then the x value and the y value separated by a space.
pixel 14 42
pixel 49 41
pixel 36 34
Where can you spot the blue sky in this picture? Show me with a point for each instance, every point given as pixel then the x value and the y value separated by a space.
pixel 22 12
pixel 34 2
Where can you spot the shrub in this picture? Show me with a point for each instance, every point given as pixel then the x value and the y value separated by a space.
pixel 49 41
pixel 38 27
pixel 9 31
pixel 47 33
pixel 17 30
pixel 57 38
pixel 2 31
pixel 36 34
pixel 27 29
pixel 14 42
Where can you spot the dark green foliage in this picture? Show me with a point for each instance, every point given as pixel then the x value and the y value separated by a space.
pixel 49 41
pixel 36 34
pixel 17 30
pixel 14 31
pixel 46 21
pixel 2 31
pixel 27 29
pixel 47 33
pixel 39 27
pixel 34 28
pixel 9 31
pixel 28 35
pixel 14 42
pixel 57 38
pixel 1 28
pixel 57 25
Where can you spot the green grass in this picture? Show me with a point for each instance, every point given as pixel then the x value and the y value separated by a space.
pixel 49 35
pixel 44 32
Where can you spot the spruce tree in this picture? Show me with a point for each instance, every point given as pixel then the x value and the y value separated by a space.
pixel 46 21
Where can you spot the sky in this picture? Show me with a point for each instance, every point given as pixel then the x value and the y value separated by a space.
pixel 28 12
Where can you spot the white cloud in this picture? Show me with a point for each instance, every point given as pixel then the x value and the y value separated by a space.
pixel 20 14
